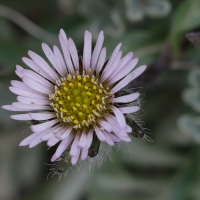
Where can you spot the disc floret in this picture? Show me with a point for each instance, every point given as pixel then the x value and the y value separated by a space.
pixel 80 100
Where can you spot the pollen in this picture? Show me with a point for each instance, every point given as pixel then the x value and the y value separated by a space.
pixel 77 99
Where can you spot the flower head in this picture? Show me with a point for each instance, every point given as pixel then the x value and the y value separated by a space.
pixel 76 101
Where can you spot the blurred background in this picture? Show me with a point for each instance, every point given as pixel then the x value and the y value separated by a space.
pixel 155 30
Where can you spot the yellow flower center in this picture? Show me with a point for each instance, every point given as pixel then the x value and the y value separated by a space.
pixel 79 100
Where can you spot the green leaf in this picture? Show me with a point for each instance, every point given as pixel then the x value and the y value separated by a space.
pixel 187 16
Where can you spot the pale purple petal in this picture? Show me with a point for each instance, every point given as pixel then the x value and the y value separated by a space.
pixel 19 73
pixel 105 125
pixel 101 61
pixel 12 108
pixel 97 50
pixel 43 64
pixel 106 74
pixel 52 132
pixel 18 67
pixel 60 60
pixel 126 98
pixel 112 58
pixel 120 117
pixel 43 126
pixel 42 116
pixel 130 109
pixel 52 142
pixel 21 117
pixel 37 139
pixel 30 107
pixel 37 86
pixel 114 137
pixel 84 154
pixel 87 49
pixel 26 93
pixel 125 60
pixel 74 146
pixel 36 77
pixel 82 141
pixel 65 134
pixel 61 148
pixel 34 66
pixel 139 71
pixel 123 72
pixel 88 140
pixel 64 45
pixel 74 53
pixel 75 158
pixel 128 129
pixel 125 81
pixel 108 138
pixel 23 86
pixel 99 134
pixel 29 139
pixel 50 55
pixel 27 100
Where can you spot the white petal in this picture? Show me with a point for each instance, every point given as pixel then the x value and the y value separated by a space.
pixel 21 117
pixel 74 146
pixel 99 134
pixel 26 93
pixel 30 107
pixel 42 116
pixel 29 139
pixel 37 86
pixel 34 66
pixel 61 148
pixel 126 98
pixel 105 125
pixel 97 49
pixel 65 49
pixel 82 142
pixel 27 100
pixel 74 53
pixel 44 126
pixel 87 49
pixel 75 158
pixel 101 61
pixel 130 109
pixel 61 62
pixel 120 117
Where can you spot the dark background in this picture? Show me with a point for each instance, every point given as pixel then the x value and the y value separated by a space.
pixel 166 169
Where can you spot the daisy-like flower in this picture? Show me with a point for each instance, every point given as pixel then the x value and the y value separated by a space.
pixel 76 99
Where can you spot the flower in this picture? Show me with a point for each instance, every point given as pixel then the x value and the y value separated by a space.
pixel 76 100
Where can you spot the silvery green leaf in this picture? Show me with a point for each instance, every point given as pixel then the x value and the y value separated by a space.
pixel 192 97
pixel 191 126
